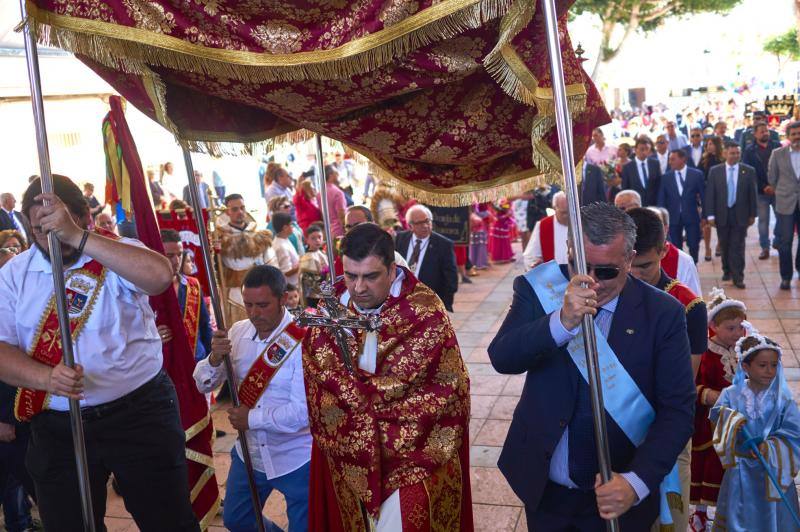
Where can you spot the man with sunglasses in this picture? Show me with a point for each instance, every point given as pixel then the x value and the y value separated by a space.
pixel 694 151
pixel 549 457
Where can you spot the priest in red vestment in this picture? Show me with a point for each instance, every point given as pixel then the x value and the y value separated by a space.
pixel 391 440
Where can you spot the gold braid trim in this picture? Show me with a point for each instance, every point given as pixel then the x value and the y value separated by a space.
pixel 200 458
pixel 198 427
pixel 201 483
pixel 205 522
pixel 693 303
pixel 130 49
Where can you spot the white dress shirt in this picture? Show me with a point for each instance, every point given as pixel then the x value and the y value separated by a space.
pixel 118 347
pixel 644 175
pixel 533 251
pixel 680 174
pixel 687 272
pixel 390 515
pixel 696 154
pixel 279 436
pixel 663 161
pixel 288 258
pixel 422 249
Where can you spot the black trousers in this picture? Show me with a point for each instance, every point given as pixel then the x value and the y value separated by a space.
pixel 731 242
pixel 138 438
pixel 570 510
pixel 786 225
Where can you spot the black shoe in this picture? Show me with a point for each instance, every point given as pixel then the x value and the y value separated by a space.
pixel 718 253
pixel 708 258
pixel 221 433
pixel 739 284
pixel 764 255
pixel 726 277
pixel 466 280
pixel 785 285
pixel 776 245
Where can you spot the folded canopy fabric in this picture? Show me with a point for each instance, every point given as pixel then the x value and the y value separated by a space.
pixel 448 97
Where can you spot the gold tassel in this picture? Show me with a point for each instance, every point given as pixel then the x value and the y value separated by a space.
pixel 675 502
pixel 667 528
pixel 131 49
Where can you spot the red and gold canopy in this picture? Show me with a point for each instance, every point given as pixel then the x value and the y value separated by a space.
pixel 448 97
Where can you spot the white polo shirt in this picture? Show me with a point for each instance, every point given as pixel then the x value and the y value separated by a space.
pixel 118 347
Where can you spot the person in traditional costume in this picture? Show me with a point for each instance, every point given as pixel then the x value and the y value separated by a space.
pixel 266 356
pixel 757 410
pixel 391 439
pixel 726 320
pixel 243 246
pixel 196 318
pixel 646 266
pixel 128 402
pixel 501 233
pixel 677 263
pixel 549 237
pixel 480 220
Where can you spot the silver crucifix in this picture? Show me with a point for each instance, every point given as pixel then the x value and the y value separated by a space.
pixel 337 317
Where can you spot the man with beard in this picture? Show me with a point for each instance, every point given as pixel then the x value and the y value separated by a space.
pixel 128 403
pixel 243 246
pixel 391 439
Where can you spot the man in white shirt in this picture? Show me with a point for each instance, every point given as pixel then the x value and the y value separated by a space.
pixel 662 153
pixel 128 404
pixel 266 354
pixel 285 252
pixel 677 263
pixel 695 148
pixel 599 153
pixel 549 238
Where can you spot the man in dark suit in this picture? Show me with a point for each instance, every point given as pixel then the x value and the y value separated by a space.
pixel 429 255
pixel 549 455
pixel 731 207
pixel 757 155
pixel 642 174
pixel 694 151
pixel 593 186
pixel 681 193
pixel 14 220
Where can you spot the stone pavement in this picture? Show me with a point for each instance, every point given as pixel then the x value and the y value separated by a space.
pixel 479 311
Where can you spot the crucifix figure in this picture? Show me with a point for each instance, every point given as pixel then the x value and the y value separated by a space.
pixel 337 316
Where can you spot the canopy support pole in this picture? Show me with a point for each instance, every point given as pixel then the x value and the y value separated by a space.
pixel 566 149
pixel 326 215
pixel 233 384
pixel 57 263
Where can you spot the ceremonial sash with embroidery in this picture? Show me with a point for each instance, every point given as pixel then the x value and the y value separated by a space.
pixel 268 363
pixel 83 286
pixel 191 312
pixel 624 402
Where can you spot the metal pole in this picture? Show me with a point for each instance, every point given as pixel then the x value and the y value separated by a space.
pixel 57 264
pixel 194 196
pixel 564 129
pixel 326 215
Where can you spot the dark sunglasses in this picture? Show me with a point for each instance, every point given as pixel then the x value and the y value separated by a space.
pixel 603 273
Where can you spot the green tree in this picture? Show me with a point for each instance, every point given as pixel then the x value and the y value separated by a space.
pixel 629 16
pixel 784 47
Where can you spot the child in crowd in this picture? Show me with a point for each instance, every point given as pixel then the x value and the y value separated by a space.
pixel 501 233
pixel 717 368
pixel 288 259
pixel 480 220
pixel 292 297
pixel 757 410
pixel 313 265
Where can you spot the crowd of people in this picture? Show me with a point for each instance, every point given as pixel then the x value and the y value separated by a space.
pixel 364 443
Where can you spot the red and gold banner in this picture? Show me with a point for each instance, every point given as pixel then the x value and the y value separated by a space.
pixel 191 312
pixel 82 288
pixel 448 97
pixel 268 363
pixel 183 222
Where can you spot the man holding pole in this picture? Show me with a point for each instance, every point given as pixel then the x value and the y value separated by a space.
pixel 550 453
pixel 128 404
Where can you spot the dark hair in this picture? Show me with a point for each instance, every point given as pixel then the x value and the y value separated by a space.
pixel 750 342
pixel 265 275
pixel 64 188
pixel 367 213
pixel 759 124
pixel 732 144
pixel 170 235
pixel 680 153
pixel 368 239
pixel 649 230
pixel 643 139
pixel 291 288
pixel 314 228
pixel 792 125
pixel 177 204
pixel 230 197
pixel 281 220
pixel 329 169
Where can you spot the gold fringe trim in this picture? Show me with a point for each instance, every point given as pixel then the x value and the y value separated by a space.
pixel 130 49
pixel 675 502
pixel 667 528
pixel 212 143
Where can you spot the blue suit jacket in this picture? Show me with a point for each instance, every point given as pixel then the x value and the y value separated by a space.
pixel 682 207
pixel 689 160
pixel 593 185
pixel 648 335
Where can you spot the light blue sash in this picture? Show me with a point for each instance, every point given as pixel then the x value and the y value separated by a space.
pixel 623 400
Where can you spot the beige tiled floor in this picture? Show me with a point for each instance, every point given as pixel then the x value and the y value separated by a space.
pixel 479 311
